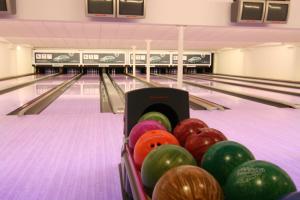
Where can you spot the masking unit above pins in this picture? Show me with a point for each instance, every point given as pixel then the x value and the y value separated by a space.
pixel 7 7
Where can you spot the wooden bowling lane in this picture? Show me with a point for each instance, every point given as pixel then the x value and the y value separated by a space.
pixel 127 83
pixel 228 101
pixel 251 91
pixel 82 97
pixel 11 82
pixel 12 100
pixel 251 80
pixel 14 77
pixel 254 83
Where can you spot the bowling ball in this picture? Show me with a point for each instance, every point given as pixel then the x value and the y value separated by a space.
pixel 186 128
pixel 161 159
pixel 150 140
pixel 292 196
pixel 161 118
pixel 140 128
pixel 222 158
pixel 198 143
pixel 187 183
pixel 258 180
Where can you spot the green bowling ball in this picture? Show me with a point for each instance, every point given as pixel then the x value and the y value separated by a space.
pixel 160 160
pixel 222 158
pixel 158 117
pixel 258 180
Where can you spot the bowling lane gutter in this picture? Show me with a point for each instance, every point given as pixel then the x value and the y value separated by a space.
pixel 15 87
pixel 257 78
pixel 250 81
pixel 105 106
pixel 13 77
pixel 118 88
pixel 41 102
pixel 260 99
pixel 116 100
pixel 248 86
pixel 194 100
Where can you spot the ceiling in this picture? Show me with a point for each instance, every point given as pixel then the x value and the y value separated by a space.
pixel 87 35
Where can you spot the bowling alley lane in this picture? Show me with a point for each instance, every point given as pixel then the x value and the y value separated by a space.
pixel 127 83
pixel 82 97
pixel 251 79
pixel 250 84
pixel 216 97
pixel 16 81
pixel 250 91
pixel 14 99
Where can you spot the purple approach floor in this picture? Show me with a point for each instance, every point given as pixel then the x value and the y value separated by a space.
pixel 60 157
pixel 75 155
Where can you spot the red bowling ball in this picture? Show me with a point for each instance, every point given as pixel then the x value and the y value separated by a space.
pixel 198 143
pixel 188 127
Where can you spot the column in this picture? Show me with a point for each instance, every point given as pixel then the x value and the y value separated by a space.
pixel 148 60
pixel 180 57
pixel 133 61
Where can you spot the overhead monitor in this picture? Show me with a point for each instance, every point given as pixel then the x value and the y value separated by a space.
pixel 131 8
pixel 248 11
pixel 277 11
pixel 100 8
pixel 8 7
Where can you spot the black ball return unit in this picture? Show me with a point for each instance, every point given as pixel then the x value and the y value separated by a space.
pixel 173 103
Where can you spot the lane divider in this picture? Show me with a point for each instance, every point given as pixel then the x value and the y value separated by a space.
pixel 38 104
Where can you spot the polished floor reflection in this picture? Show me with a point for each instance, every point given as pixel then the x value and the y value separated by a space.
pixel 71 151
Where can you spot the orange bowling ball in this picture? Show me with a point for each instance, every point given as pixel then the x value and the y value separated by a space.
pixel 150 140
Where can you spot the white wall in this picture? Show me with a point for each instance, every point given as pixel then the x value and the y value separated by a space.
pixel 14 61
pixel 6 60
pixel 229 62
pixel 187 12
pixel 279 62
pixel 24 60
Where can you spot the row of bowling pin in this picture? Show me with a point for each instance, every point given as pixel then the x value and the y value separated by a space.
pixel 113 71
pixel 156 71
pixel 172 71
pixel 191 71
pixel 50 71
pixel 168 71
pixel 92 71
pixel 72 71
